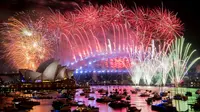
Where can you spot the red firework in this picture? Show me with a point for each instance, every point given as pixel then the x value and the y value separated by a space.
pixel 143 23
pixel 158 24
pixel 167 24
pixel 93 30
pixel 115 13
pixel 88 17
pixel 58 21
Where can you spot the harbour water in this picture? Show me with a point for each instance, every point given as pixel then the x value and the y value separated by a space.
pixel 136 100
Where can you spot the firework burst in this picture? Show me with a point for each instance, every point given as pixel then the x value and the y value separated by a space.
pixel 24 43
pixel 86 32
pixel 168 25
pixel 181 60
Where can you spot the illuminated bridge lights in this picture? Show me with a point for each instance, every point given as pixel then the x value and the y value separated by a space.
pixel 102 63
pixel 99 71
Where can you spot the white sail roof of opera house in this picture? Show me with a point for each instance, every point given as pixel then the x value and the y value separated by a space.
pixel 29 74
pixel 44 65
pixel 50 70
pixel 61 73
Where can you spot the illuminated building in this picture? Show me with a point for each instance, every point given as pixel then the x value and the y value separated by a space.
pixel 50 75
pixel 50 70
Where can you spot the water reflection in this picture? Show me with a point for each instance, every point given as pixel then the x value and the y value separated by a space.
pixel 137 101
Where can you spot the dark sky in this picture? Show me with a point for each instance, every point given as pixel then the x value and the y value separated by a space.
pixel 188 11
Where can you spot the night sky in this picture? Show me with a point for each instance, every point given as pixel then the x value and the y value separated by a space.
pixel 188 11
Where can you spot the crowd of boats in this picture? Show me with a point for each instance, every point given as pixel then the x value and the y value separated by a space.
pixel 116 99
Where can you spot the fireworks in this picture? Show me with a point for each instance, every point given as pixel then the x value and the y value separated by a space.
pixel 93 30
pixel 146 65
pixel 167 24
pixel 91 34
pixel 97 32
pixel 25 44
pixel 172 63
pixel 165 66
pixel 88 17
pixel 181 60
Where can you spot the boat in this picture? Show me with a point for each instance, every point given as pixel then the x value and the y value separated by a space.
pixel 180 97
pixel 119 104
pixel 91 98
pixel 196 106
pixel 149 101
pixel 133 91
pixel 82 94
pixel 86 109
pixel 164 107
pixel 65 108
pixel 125 93
pixel 101 91
pixel 198 91
pixel 104 99
pixel 163 94
pixel 128 97
pixel 81 103
pixel 145 94
pixel 133 109
pixel 24 103
pixel 156 96
pixel 73 103
pixel 66 95
pixel 80 109
pixel 117 96
pixel 93 109
pixel 57 105
pixel 188 94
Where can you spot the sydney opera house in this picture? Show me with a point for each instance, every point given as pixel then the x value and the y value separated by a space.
pixel 50 70
pixel 49 75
